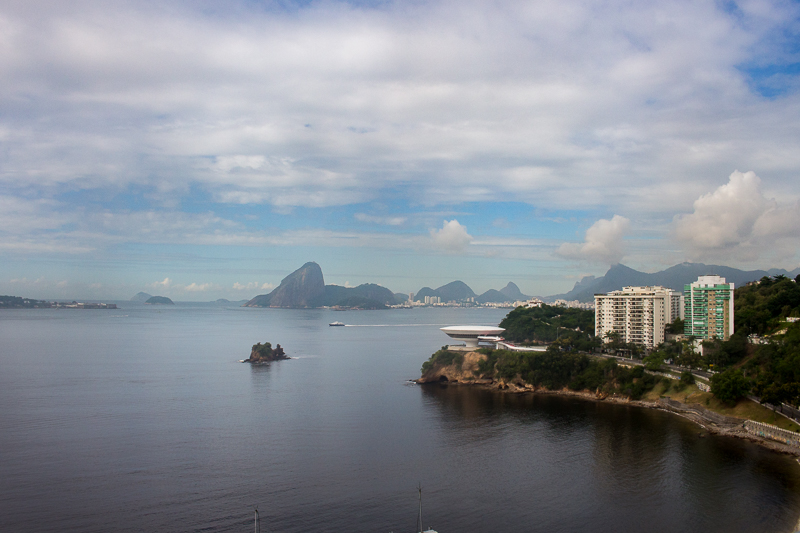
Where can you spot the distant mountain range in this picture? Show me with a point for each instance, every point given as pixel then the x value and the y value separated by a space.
pixel 674 277
pixel 458 290
pixel 305 287
pixel 141 297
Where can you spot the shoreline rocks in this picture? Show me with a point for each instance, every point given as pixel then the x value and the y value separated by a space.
pixel 467 374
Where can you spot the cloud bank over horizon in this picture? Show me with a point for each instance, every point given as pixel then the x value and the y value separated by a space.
pixel 176 134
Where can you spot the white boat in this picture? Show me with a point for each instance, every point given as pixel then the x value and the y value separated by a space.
pixel 336 324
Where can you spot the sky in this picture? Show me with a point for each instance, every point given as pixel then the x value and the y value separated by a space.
pixel 203 150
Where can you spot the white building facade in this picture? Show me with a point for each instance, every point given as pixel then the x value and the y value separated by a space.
pixel 638 314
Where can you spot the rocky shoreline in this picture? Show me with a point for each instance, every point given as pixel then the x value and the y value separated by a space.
pixel 464 375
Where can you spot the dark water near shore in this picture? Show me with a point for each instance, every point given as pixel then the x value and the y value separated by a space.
pixel 141 419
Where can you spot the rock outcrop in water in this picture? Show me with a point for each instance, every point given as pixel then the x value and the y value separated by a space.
pixel 265 353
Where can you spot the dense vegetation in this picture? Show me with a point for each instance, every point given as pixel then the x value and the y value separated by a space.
pixel 554 369
pixel 770 371
pixel 761 307
pixel 566 327
pixel 774 370
pixel 17 302
pixel 159 300
pixel 264 353
pixel 443 357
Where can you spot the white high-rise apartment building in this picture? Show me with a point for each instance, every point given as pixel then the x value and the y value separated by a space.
pixel 638 314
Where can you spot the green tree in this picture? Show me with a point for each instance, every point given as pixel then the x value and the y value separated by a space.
pixel 572 327
pixel 654 360
pixel 729 385
pixel 676 326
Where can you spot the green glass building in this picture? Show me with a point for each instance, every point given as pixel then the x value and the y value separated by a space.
pixel 709 308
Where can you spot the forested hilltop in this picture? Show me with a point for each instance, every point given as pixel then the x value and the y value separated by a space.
pixel 769 308
pixel 566 327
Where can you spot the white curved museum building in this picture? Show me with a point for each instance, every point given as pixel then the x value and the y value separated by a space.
pixel 470 335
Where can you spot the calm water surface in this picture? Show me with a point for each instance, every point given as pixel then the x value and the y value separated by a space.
pixel 141 419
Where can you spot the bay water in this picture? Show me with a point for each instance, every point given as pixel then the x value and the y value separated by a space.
pixel 142 419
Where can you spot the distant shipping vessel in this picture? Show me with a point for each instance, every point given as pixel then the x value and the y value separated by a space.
pixel 336 324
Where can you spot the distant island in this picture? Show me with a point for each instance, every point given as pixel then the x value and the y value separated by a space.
pixel 141 297
pixel 224 301
pixel 11 302
pixel 17 302
pixel 159 300
pixel 265 353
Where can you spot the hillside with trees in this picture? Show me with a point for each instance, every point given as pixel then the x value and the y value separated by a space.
pixel 770 370
pixel 566 327
pixel 10 302
pixel 552 370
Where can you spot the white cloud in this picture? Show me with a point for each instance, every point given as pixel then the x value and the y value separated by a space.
pixel 453 237
pixel 441 101
pixel 252 286
pixel 632 107
pixel 386 220
pixel 603 242
pixel 726 216
pixel 198 287
pixel 166 283
pixel 737 221
pixel 26 281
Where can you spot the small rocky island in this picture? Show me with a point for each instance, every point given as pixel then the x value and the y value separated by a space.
pixel 159 300
pixel 265 353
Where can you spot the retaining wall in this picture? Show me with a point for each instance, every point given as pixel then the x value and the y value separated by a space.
pixel 768 431
pixel 700 384
pixel 699 413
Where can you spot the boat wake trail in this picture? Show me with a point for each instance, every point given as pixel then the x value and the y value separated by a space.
pixel 391 325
